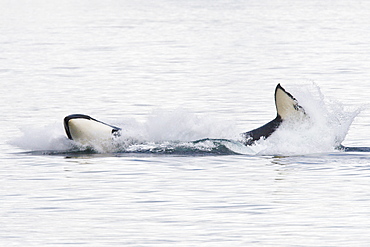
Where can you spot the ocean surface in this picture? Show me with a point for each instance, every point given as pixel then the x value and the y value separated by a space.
pixel 170 73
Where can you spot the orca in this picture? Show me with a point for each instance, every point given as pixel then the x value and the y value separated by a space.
pixel 87 130
pixel 287 108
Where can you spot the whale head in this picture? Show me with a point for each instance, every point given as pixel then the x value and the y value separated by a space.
pixel 86 130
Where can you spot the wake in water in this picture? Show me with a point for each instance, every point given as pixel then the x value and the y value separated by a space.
pixel 321 130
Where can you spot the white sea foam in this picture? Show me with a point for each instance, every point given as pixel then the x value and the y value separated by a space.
pixel 182 125
pixel 48 137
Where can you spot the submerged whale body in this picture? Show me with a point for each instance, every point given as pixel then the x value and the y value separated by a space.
pixel 86 130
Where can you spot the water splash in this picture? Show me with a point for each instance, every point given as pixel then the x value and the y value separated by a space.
pixel 48 137
pixel 323 131
pixel 164 132
pixel 177 132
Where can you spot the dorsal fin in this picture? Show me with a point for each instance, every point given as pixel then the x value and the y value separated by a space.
pixel 286 105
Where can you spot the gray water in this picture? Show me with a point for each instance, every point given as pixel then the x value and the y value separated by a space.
pixel 180 71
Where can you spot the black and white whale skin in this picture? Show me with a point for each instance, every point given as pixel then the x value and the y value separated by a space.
pixel 287 108
pixel 86 130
